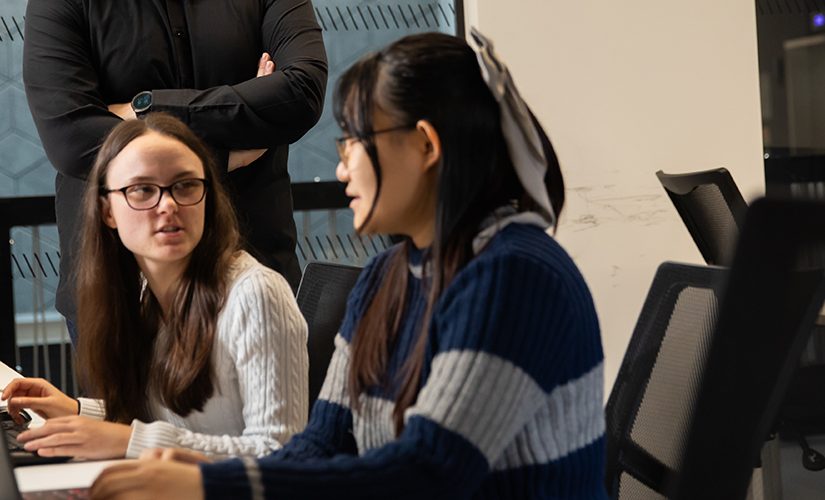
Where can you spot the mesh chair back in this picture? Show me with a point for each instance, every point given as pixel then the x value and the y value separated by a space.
pixel 322 299
pixel 649 411
pixel 710 361
pixel 712 209
pixel 765 319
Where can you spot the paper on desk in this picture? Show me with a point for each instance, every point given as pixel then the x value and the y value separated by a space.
pixel 7 374
pixel 60 476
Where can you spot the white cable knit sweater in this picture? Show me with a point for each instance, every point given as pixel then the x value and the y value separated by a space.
pixel 261 375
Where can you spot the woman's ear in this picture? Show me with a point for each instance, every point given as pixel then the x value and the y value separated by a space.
pixel 106 213
pixel 432 143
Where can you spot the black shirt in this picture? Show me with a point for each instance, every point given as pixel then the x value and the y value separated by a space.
pixel 199 58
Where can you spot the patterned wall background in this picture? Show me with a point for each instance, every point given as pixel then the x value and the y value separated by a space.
pixel 350 29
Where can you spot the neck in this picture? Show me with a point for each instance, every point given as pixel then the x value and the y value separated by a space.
pixel 421 223
pixel 423 237
pixel 162 279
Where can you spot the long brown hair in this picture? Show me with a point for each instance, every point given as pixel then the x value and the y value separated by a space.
pixel 433 77
pixel 119 317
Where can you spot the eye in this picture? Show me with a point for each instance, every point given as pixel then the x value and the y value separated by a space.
pixel 187 185
pixel 141 191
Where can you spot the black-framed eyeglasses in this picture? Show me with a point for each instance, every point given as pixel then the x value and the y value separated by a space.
pixel 341 143
pixel 146 195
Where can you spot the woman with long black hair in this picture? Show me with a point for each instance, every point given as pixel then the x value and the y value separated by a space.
pixel 469 362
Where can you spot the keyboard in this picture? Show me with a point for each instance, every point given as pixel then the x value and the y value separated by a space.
pixel 19 456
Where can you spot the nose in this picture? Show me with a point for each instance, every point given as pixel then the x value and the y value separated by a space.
pixel 341 172
pixel 167 203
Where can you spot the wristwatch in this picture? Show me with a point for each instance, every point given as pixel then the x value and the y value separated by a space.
pixel 142 103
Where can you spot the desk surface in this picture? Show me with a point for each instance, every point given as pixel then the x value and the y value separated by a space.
pixel 59 476
pixel 82 474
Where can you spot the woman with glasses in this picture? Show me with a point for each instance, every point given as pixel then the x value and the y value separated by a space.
pixel 469 363
pixel 188 342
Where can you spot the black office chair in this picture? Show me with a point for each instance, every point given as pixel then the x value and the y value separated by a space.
pixel 696 398
pixel 767 313
pixel 650 407
pixel 713 210
pixel 322 299
pixel 711 207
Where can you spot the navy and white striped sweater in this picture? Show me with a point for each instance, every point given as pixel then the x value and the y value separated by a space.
pixel 510 406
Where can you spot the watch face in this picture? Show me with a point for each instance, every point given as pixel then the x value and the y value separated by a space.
pixel 142 102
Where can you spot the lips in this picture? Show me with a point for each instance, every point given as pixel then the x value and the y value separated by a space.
pixel 169 228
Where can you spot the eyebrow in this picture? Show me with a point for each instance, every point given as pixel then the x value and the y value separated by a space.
pixel 144 178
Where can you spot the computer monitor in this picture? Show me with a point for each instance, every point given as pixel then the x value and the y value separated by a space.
pixel 795 176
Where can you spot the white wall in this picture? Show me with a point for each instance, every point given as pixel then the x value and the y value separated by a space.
pixel 626 88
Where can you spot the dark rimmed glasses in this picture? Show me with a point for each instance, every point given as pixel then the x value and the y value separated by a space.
pixel 146 195
pixel 342 142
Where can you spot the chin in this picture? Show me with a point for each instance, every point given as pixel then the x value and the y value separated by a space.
pixel 370 230
pixel 358 223
pixel 173 254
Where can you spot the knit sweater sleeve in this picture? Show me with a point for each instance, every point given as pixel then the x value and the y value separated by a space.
pixel 92 408
pixel 504 336
pixel 266 337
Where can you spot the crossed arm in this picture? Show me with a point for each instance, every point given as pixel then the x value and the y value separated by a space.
pixel 72 115
pixel 237 158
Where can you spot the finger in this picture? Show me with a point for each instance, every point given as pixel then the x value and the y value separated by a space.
pixel 15 409
pixel 265 65
pixel 266 70
pixel 32 382
pixel 58 440
pixel 152 454
pixel 23 387
pixel 183 456
pixel 262 64
pixel 35 403
pixel 115 480
pixel 48 429
pixel 10 389
pixel 63 451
